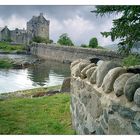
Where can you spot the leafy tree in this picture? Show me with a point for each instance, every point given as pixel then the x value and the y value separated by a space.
pixel 39 39
pixel 126 27
pixel 64 39
pixel 93 43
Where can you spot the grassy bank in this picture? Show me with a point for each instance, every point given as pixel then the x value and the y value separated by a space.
pixel 42 115
pixel 6 63
pixel 7 47
pixel 131 60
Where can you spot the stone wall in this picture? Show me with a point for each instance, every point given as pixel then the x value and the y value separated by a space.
pixel 105 98
pixel 69 54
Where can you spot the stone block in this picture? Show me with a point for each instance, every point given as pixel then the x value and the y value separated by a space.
pixel 103 69
pixel 110 78
pixel 131 86
pixel 137 97
pixel 120 83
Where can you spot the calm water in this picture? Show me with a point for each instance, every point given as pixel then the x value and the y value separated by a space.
pixel 47 73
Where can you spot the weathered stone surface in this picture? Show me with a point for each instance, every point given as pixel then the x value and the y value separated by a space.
pixel 76 70
pixel 92 79
pixel 116 126
pixel 110 78
pixel 137 97
pixel 137 119
pixel 100 62
pixel 131 86
pixel 94 106
pixel 100 131
pixel 127 113
pixel 135 128
pixel 120 83
pixel 83 72
pixel 105 115
pixel 75 62
pixel 103 69
pixel 66 85
pixel 94 112
pixel 90 71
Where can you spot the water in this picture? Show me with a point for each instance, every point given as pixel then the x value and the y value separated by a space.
pixel 47 73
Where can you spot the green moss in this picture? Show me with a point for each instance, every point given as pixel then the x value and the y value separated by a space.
pixel 131 60
pixel 42 115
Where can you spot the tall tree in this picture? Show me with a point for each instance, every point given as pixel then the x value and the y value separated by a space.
pixel 126 27
pixel 93 43
pixel 64 39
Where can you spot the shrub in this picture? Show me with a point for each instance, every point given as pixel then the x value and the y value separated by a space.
pixel 131 60
pixel 39 39
pixel 93 43
pixel 84 46
pixel 64 39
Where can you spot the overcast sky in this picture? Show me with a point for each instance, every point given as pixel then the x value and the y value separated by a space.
pixel 77 21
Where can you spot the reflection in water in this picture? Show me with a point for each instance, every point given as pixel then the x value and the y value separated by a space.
pixel 48 73
pixel 43 73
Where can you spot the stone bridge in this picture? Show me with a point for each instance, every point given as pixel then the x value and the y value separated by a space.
pixel 69 54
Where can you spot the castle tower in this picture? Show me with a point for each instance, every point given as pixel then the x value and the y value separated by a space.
pixel 38 26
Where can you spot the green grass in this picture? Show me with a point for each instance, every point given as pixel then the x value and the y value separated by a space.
pixel 5 63
pixel 131 60
pixel 5 46
pixel 43 115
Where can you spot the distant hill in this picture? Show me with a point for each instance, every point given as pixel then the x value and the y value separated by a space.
pixel 114 47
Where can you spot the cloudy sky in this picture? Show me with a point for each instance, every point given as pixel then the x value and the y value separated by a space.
pixel 77 21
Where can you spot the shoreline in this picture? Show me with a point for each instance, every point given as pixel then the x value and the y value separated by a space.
pixel 31 93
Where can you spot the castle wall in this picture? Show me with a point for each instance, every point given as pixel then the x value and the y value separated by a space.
pixel 68 54
pixel 37 26
pixel 96 112
pixel 5 34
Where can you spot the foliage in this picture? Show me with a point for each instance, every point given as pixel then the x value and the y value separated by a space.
pixel 64 39
pixel 131 60
pixel 39 39
pixel 126 27
pixel 50 41
pixel 5 63
pixel 6 46
pixel 43 115
pixel 84 46
pixel 93 43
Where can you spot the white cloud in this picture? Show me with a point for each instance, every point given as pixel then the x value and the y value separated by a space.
pixel 13 22
pixel 78 28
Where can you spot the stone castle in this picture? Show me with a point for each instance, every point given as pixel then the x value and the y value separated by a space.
pixel 37 26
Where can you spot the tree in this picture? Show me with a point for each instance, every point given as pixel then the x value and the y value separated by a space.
pixel 93 43
pixel 126 27
pixel 64 39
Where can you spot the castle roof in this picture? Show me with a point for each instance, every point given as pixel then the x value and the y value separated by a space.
pixel 38 19
pixel 3 28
